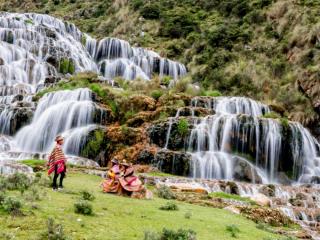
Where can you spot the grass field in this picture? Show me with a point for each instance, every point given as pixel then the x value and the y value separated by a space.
pixel 120 217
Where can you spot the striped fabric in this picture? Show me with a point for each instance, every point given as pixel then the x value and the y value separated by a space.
pixel 58 159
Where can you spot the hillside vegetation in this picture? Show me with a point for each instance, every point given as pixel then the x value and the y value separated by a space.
pixel 134 219
pixel 264 49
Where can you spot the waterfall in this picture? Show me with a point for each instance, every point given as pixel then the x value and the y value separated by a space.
pixel 56 113
pixel 237 138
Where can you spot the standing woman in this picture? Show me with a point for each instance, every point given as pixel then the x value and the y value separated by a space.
pixel 57 163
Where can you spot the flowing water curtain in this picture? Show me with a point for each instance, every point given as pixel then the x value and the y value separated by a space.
pixel 56 113
pixel 238 129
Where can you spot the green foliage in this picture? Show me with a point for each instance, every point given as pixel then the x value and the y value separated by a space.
pixel 12 205
pixel 233 230
pixel 83 207
pixel 86 195
pixel 18 181
pixel 180 234
pixel 28 21
pixel 271 114
pixel 188 215
pixel 231 196
pixel 168 234
pixel 165 192
pixel 183 127
pixel 212 93
pixel 54 231
pixel 95 144
pixel 66 66
pixel 178 23
pixel 156 94
pixel 151 11
pixel 170 206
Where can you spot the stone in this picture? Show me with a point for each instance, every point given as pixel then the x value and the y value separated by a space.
pixel 173 162
pixel 233 209
pixel 261 200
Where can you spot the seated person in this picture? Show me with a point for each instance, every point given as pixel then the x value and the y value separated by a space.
pixel 129 183
pixel 111 183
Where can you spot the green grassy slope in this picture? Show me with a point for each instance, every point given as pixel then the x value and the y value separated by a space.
pixel 121 218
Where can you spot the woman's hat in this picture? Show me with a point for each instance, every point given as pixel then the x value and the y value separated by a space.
pixel 114 160
pixel 59 138
pixel 124 163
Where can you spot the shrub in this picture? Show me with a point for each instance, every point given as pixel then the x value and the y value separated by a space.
pixel 12 205
pixel 2 197
pixel 181 234
pixel 3 184
pixel 178 23
pixel 83 207
pixel 151 11
pixel 66 66
pixel 168 234
pixel 169 206
pixel 156 94
pixel 150 235
pixel 33 194
pixel 212 93
pixel 18 181
pixel 183 127
pixel 271 114
pixel 86 195
pixel 188 215
pixel 165 192
pixel 54 231
pixel 233 230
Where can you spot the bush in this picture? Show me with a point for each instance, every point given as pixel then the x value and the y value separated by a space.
pixel 233 230
pixel 18 181
pixel 151 11
pixel 2 197
pixel 168 234
pixel 86 195
pixel 156 94
pixel 188 215
pixel 83 207
pixel 212 93
pixel 183 127
pixel 181 234
pixel 165 192
pixel 178 23
pixel 3 184
pixel 169 206
pixel 55 231
pixel 66 66
pixel 272 115
pixel 12 205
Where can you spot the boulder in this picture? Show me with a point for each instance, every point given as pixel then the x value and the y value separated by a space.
pixel 173 162
pixel 233 209
pixel 261 200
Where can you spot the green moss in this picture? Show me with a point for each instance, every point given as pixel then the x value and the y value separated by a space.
pixel 271 114
pixel 183 127
pixel 231 196
pixel 94 145
pixel 66 66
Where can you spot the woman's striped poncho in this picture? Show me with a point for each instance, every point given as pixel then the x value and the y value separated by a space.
pixel 58 159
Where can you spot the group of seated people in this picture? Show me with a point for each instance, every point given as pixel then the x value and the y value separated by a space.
pixel 121 179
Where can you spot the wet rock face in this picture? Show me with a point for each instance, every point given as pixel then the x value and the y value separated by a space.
pixel 172 162
pixel 245 172
pixel 15 117
pixel 177 141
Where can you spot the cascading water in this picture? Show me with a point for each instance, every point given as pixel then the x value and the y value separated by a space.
pixel 36 47
pixel 237 138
